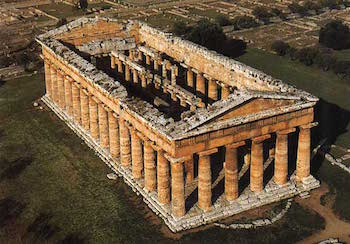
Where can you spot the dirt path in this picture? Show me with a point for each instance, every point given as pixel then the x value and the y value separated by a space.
pixel 335 227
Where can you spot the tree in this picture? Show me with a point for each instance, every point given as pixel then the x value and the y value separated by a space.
pixel 61 21
pixel 261 13
pixel 307 55
pixel 83 4
pixel 312 6
pixel 280 47
pixel 234 48
pixel 335 35
pixel 244 22
pixel 297 8
pixel 325 61
pixel 342 68
pixel 222 20
pixel 293 53
pixel 180 28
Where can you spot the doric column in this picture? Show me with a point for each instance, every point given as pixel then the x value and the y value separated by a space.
pixel 60 86
pixel 189 77
pixel 174 73
pixel 112 62
pixel 231 171
pixel 164 69
pixel 281 156
pixel 303 154
pixel 76 102
pixel 150 167
pixel 257 164
pixel 47 77
pixel 127 72
pixel 68 94
pixel 103 125
pixel 143 80
pixel 53 73
pixel 200 83
pixel 148 60
pixel 225 91
pixel 93 113
pixel 189 170
pixel 177 189
pixel 131 55
pixel 163 178
pixel 84 99
pixel 139 55
pixel 135 76
pixel 125 150
pixel 113 128
pixel 204 179
pixel 212 89
pixel 120 65
pixel 136 155
pixel 156 64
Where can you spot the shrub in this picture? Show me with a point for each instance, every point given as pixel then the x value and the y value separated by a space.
pixel 244 22
pixel 280 47
pixel 307 55
pixel 297 8
pixel 342 68
pixel 335 35
pixel 325 61
pixel 261 13
pixel 180 28
pixel 222 20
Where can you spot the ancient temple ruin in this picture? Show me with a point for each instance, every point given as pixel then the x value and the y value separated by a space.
pixel 200 136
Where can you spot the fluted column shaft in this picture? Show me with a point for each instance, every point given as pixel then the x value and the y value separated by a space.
pixel 84 99
pixel 93 113
pixel 200 83
pixel 303 154
pixel 135 76
pixel 113 128
pixel 136 155
pixel 225 91
pixel 60 86
pixel 212 90
pixel 150 167
pixel 189 170
pixel 120 66
pixel 177 190
pixel 112 62
pixel 53 73
pixel 47 78
pixel 125 150
pixel 281 159
pixel 256 167
pixel 163 178
pixel 189 78
pixel 76 102
pixel 231 171
pixel 127 72
pixel 68 95
pixel 103 125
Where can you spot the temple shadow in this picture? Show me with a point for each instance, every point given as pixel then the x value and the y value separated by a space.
pixel 191 200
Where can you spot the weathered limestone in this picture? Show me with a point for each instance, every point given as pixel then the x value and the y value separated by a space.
pixel 256 166
pixel 304 151
pixel 212 90
pixel 189 170
pixel 93 113
pixel 103 125
pixel 127 72
pixel 225 92
pixel 84 99
pixel 190 78
pixel 163 178
pixel 135 76
pixel 125 150
pixel 54 88
pixel 231 171
pixel 148 60
pixel 136 155
pixel 60 87
pixel 76 102
pixel 150 167
pixel 47 78
pixel 113 128
pixel 112 62
pixel 200 83
pixel 68 95
pixel 204 179
pixel 120 66
pixel 177 190
pixel 281 157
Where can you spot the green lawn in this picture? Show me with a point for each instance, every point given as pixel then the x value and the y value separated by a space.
pixel 53 187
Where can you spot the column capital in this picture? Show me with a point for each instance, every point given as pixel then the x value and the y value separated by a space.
pixel 60 72
pixel 68 78
pixel 308 126
pixel 236 145
pixel 84 90
pixel 173 160
pixel 76 84
pixel 260 139
pixel 286 131
pixel 208 152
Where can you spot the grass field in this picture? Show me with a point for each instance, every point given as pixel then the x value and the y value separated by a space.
pixel 53 188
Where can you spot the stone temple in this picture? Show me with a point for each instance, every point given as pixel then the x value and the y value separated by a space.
pixel 200 136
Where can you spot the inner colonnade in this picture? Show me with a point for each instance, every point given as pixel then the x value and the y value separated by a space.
pixel 150 162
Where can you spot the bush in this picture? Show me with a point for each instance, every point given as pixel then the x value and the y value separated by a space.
pixel 180 28
pixel 335 35
pixel 261 13
pixel 293 53
pixel 312 6
pixel 342 68
pixel 325 61
pixel 307 55
pixel 244 22
pixel 280 47
pixel 297 8
pixel 222 20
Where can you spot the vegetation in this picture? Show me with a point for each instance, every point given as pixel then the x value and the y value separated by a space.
pixel 335 35
pixel 223 20
pixel 280 47
pixel 244 22
pixel 210 35
pixel 262 13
